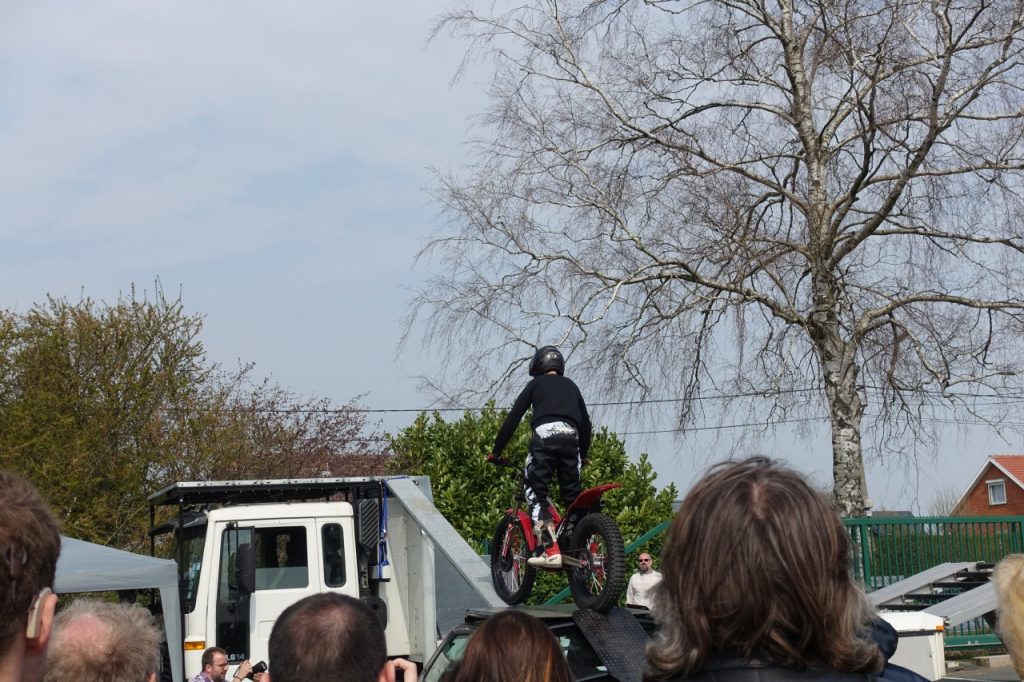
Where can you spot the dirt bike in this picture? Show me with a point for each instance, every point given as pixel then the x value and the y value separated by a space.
pixel 591 544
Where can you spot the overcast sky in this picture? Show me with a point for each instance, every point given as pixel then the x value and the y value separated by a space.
pixel 269 160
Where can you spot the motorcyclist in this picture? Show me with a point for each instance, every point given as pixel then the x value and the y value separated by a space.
pixel 559 444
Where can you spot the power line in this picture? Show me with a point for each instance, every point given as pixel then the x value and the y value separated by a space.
pixel 1003 399
pixel 1009 398
pixel 796 420
pixel 720 427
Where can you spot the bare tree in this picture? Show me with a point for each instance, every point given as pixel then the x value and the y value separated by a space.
pixel 245 429
pixel 944 501
pixel 812 202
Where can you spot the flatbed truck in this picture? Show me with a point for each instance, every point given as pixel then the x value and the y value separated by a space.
pixel 246 550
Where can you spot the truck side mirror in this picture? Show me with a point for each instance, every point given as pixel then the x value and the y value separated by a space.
pixel 245 569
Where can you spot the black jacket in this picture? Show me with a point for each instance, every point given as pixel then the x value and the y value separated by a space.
pixel 738 670
pixel 553 397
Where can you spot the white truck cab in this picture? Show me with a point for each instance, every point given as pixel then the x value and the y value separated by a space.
pixel 246 550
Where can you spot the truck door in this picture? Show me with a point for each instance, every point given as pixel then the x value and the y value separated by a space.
pixel 284 558
pixel 231 613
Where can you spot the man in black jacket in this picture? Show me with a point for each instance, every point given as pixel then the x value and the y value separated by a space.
pixel 559 445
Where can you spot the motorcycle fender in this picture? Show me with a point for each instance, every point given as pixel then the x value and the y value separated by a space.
pixel 588 497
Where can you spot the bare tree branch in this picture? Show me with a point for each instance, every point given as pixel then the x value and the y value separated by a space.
pixel 767 195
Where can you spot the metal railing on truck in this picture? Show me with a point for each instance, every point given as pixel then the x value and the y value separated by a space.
pixel 888 550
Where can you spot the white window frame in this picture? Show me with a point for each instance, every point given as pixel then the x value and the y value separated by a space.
pixel 998 484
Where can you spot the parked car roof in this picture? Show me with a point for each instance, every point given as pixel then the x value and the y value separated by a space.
pixel 582 649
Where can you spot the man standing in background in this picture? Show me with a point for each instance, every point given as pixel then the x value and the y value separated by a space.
pixel 638 592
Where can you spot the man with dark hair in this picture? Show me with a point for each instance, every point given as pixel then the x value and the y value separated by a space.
pixel 331 637
pixel 29 545
pixel 95 640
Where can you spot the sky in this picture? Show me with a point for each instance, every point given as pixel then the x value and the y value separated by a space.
pixel 271 162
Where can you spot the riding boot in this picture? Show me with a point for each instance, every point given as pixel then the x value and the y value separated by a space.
pixel 552 555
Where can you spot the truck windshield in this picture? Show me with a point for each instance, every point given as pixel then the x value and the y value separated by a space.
pixel 189 554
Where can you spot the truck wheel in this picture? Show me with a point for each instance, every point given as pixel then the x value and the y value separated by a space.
pixel 512 576
pixel 598 582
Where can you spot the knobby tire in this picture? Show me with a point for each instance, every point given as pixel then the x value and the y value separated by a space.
pixel 599 581
pixel 511 575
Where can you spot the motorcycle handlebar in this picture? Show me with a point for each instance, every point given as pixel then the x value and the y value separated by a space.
pixel 498 461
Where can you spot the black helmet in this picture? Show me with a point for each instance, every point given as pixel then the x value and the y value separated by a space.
pixel 547 358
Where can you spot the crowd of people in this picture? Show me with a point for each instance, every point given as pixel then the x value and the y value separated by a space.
pixel 100 641
pixel 754 585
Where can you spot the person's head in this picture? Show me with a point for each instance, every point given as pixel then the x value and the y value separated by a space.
pixel 547 359
pixel 102 640
pixel 327 637
pixel 1008 580
pixel 756 564
pixel 513 646
pixel 215 663
pixel 29 545
pixel 643 562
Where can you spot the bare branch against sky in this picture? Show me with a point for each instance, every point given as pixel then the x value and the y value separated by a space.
pixel 815 203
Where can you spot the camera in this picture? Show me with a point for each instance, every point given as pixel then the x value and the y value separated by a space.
pixel 260 667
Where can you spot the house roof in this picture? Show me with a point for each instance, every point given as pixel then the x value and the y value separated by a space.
pixel 892 514
pixel 1011 465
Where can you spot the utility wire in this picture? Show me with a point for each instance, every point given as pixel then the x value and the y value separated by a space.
pixel 1009 398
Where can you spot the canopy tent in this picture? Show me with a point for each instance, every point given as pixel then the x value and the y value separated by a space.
pixel 87 567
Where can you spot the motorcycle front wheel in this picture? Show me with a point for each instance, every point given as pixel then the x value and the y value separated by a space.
pixel 598 582
pixel 511 574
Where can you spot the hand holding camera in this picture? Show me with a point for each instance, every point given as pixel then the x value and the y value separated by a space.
pixel 248 671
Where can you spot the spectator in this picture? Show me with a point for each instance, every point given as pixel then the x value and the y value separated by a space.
pixel 1008 580
pixel 638 592
pixel 215 667
pixel 331 638
pixel 97 640
pixel 29 545
pixel 513 646
pixel 756 586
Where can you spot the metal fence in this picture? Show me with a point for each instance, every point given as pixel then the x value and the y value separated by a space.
pixel 886 550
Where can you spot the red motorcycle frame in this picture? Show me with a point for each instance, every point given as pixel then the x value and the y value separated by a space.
pixel 591 543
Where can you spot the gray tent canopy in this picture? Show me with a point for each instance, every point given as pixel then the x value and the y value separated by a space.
pixel 87 567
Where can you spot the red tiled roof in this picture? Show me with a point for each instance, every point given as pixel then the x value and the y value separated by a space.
pixel 1011 464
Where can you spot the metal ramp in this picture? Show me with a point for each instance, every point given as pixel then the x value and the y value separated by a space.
pixel 977 603
pixel 955 591
pixel 431 523
pixel 618 639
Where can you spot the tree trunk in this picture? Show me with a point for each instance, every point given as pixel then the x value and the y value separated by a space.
pixel 839 373
pixel 850 487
